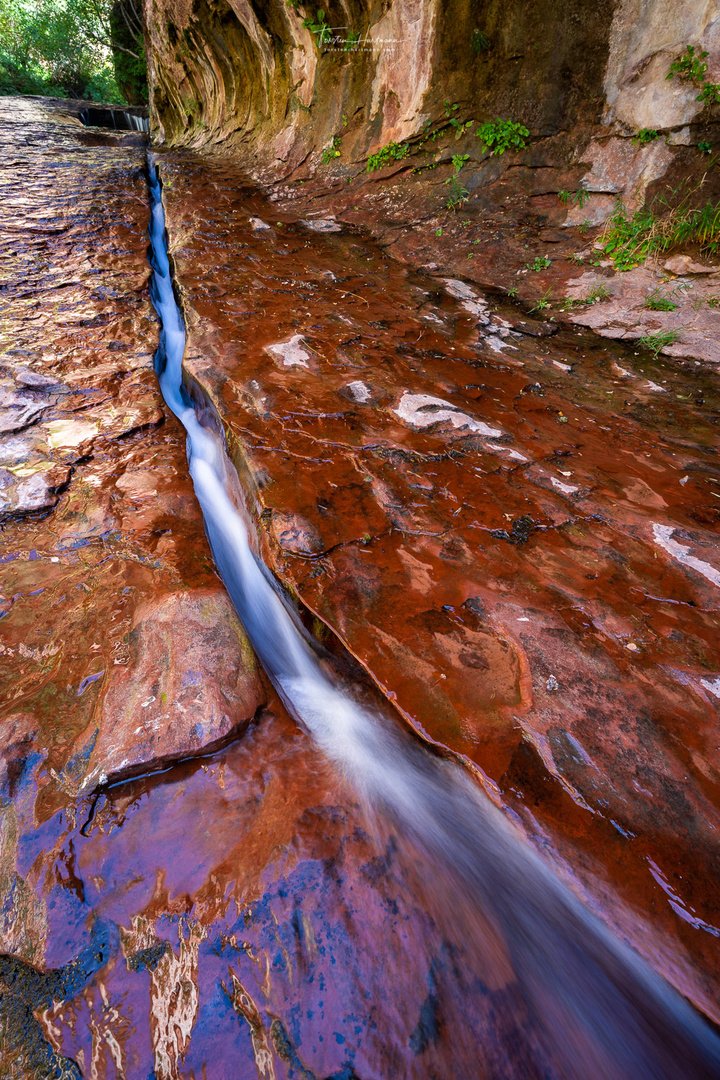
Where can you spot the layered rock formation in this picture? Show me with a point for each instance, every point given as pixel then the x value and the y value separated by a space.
pixel 511 526
pixel 276 81
pixel 498 522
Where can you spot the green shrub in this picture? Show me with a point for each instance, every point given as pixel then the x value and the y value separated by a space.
pixel 70 48
pixel 710 94
pixel 479 43
pixel 689 67
pixel 692 68
pixel 319 27
pixel 332 151
pixel 501 135
pixel 458 193
pixel 579 197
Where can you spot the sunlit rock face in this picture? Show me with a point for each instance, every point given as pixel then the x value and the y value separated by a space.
pixel 644 40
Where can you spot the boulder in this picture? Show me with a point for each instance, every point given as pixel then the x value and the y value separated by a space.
pixel 685 264
pixel 192 681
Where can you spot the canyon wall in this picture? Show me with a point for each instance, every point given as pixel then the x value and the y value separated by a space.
pixel 254 78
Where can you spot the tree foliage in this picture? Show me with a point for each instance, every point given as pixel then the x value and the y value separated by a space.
pixel 90 49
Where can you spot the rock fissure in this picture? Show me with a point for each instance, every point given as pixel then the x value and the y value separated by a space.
pixel 518 576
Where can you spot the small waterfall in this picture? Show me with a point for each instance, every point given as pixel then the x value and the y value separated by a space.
pixel 604 1015
pixel 117 119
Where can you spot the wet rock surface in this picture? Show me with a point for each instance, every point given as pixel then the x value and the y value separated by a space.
pixel 105 601
pixel 191 682
pixel 515 535
pixel 513 530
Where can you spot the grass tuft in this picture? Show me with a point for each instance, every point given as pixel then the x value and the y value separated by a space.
pixel 656 342
pixel 655 301
pixel 629 239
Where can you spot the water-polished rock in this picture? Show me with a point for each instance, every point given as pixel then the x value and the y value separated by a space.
pixel 108 593
pixel 191 682
pixel 516 560
pixel 509 536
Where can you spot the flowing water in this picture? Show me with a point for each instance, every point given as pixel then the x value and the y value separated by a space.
pixel 593 1009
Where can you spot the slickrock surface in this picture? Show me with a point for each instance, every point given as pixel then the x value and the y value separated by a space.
pixel 105 571
pixel 513 529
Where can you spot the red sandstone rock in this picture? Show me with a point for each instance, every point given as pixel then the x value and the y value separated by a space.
pixel 191 681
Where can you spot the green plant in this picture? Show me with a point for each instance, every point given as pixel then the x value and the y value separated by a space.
pixel 513 292
pixel 386 155
pixel 710 93
pixel 479 43
pixel 689 67
pixel 541 263
pixel 543 302
pixel 459 126
pixel 501 135
pixel 597 294
pixel 645 136
pixel 458 193
pixel 438 231
pixel 630 239
pixel 331 151
pixel 350 42
pixel 319 27
pixel 705 147
pixel 713 301
pixel 579 197
pixel 692 68
pixel 575 257
pixel 656 302
pixel 656 342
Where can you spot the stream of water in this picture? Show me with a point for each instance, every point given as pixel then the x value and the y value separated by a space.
pixel 600 1011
